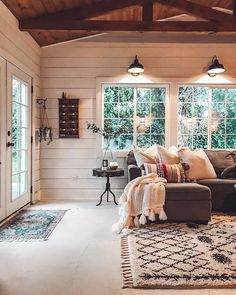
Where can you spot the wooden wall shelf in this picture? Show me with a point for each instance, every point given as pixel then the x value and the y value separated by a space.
pixel 68 118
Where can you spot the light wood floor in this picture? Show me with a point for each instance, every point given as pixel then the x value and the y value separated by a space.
pixel 81 257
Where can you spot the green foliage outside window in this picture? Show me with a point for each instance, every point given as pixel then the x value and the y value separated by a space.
pixel 207 117
pixel 127 107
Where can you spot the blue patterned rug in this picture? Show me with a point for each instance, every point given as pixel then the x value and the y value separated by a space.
pixel 31 225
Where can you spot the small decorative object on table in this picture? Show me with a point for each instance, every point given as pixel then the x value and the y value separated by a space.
pixel 104 164
pixel 113 165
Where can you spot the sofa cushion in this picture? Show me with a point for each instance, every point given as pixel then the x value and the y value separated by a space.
pixel 131 159
pixel 218 182
pixel 187 192
pixel 221 186
pixel 223 193
pixel 199 165
pixel 133 172
pixel 221 159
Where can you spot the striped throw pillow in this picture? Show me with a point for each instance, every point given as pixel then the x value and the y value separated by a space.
pixel 171 172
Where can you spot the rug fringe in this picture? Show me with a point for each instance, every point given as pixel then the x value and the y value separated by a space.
pixel 125 264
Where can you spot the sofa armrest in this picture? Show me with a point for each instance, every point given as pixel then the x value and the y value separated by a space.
pixel 133 172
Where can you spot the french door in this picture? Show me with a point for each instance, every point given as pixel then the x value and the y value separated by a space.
pixel 18 135
pixel 2 138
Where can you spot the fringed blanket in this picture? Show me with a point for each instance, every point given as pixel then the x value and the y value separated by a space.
pixel 143 198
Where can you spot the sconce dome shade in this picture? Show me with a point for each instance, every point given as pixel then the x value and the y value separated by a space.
pixel 215 68
pixel 136 68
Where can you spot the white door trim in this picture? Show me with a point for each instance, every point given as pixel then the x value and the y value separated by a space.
pixel 3 212
pixel 12 206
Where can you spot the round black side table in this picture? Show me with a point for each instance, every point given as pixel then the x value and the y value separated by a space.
pixel 108 173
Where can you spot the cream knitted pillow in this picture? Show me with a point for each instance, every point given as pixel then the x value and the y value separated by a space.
pixel 200 166
pixel 148 156
pixel 167 156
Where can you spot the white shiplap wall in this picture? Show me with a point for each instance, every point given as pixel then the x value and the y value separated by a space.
pixel 73 68
pixel 21 50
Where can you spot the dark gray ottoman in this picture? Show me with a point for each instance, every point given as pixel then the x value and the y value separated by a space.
pixel 188 202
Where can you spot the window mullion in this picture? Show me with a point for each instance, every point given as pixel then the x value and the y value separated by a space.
pixel 225 120
pixel 135 117
pixel 209 117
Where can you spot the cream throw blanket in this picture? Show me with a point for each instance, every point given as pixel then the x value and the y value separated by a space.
pixel 143 196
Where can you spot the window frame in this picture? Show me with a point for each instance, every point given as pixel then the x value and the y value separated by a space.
pixel 100 108
pixel 210 88
pixel 171 99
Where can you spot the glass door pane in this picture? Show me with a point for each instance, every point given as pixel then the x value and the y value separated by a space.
pixel 17 135
pixel 3 127
pixel 20 133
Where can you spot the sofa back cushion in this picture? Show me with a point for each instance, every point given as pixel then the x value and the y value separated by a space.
pixel 131 159
pixel 221 159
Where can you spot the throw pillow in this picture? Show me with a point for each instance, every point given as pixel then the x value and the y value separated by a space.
pixel 174 150
pixel 148 156
pixel 229 172
pixel 167 156
pixel 221 159
pixel 200 166
pixel 172 173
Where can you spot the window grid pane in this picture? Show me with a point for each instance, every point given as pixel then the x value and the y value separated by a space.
pixel 141 113
pixel 20 112
pixel 194 119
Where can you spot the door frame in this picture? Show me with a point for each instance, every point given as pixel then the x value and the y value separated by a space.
pixel 12 206
pixel 3 67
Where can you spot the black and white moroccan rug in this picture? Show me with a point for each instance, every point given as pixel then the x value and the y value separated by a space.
pixel 175 255
pixel 30 225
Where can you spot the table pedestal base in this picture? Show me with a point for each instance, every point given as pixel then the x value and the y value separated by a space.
pixel 107 190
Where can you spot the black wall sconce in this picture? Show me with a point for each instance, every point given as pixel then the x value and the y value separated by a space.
pixel 215 67
pixel 136 68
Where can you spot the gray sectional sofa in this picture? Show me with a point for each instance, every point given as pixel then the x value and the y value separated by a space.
pixel 193 202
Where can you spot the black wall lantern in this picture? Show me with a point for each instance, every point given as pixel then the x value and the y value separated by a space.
pixel 215 67
pixel 136 68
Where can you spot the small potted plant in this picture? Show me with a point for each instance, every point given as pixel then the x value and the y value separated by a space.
pixel 107 153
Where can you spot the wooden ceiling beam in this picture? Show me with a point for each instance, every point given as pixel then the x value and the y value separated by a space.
pixel 108 26
pixel 198 10
pixel 90 10
pixel 147 11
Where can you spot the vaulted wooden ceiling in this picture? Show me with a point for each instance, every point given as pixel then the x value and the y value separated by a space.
pixel 53 21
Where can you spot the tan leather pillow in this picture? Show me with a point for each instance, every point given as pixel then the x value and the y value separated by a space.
pixel 200 166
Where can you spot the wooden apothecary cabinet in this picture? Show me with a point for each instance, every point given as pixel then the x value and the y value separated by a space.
pixel 68 117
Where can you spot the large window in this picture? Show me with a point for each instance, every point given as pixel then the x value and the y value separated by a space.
pixel 206 117
pixel 140 111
